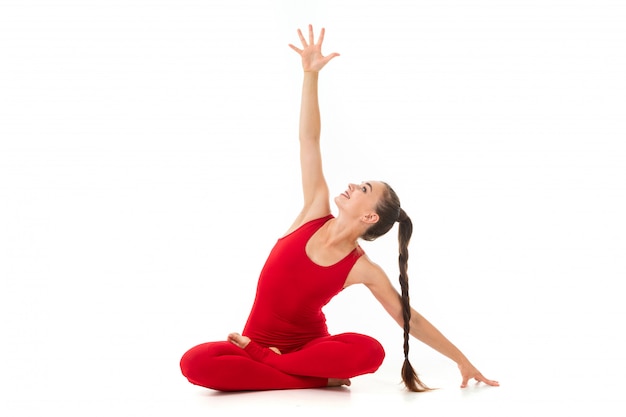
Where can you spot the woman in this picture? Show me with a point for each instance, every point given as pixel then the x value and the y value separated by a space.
pixel 285 342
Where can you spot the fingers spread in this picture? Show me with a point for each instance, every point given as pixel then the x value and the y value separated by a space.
pixel 329 57
pixel 298 50
pixel 321 37
pixel 302 38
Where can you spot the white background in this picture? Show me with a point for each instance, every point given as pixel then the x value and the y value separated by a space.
pixel 148 162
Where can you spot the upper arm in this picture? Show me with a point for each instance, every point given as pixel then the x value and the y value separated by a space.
pixel 315 193
pixel 314 185
pixel 377 281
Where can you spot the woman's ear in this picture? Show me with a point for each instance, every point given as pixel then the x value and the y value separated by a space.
pixel 370 218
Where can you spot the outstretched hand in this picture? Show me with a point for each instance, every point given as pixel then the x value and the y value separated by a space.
pixel 468 371
pixel 311 52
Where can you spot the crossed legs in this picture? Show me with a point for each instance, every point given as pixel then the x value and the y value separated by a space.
pixel 242 365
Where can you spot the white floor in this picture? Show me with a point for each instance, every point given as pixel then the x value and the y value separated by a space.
pixel 378 393
pixel 109 380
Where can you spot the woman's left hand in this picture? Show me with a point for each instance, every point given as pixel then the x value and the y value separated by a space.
pixel 311 52
pixel 468 371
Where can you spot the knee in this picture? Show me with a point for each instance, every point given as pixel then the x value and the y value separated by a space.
pixel 198 361
pixel 207 364
pixel 188 362
pixel 376 352
pixel 368 350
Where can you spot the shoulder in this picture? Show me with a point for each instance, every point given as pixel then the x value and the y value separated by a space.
pixel 366 272
pixel 306 217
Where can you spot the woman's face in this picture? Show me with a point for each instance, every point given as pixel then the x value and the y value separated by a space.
pixel 361 199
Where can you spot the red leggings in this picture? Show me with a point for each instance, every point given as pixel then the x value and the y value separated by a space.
pixel 225 367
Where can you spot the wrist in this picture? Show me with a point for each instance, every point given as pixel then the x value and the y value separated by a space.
pixel 463 362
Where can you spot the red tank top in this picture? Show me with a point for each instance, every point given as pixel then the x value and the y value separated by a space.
pixel 292 289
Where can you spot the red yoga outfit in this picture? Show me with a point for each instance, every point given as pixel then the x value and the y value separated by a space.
pixel 287 314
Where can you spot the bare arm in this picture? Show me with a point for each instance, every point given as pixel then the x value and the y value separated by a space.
pixel 378 283
pixel 314 187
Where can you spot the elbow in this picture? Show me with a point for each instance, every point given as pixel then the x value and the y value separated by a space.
pixel 416 320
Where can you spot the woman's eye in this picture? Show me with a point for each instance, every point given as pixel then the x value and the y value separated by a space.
pixel 364 189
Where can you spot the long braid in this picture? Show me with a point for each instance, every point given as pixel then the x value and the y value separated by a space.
pixel 409 376
pixel 390 212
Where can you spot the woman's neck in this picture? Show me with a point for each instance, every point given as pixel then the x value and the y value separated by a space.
pixel 339 233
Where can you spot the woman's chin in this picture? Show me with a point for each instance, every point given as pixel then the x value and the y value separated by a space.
pixel 340 201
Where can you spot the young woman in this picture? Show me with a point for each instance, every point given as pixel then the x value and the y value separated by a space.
pixel 285 342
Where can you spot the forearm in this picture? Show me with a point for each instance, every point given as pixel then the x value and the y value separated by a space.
pixel 425 332
pixel 310 124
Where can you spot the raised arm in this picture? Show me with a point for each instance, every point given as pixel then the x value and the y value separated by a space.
pixel 314 187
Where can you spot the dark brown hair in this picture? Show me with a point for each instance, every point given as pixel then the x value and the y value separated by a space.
pixel 390 212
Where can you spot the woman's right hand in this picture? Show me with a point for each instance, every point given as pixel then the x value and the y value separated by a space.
pixel 311 52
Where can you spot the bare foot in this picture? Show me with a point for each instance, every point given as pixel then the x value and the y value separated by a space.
pixel 242 341
pixel 238 340
pixel 335 382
